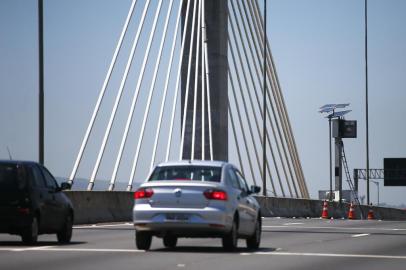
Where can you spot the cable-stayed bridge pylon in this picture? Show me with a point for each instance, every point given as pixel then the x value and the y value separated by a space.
pixel 191 88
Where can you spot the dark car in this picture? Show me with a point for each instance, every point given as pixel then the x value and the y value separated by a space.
pixel 32 203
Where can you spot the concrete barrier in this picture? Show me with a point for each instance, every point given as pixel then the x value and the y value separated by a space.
pixel 101 206
pixel 106 206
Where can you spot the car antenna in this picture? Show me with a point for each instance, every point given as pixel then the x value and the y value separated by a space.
pixel 9 153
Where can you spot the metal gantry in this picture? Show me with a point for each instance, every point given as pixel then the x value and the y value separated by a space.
pixel 155 97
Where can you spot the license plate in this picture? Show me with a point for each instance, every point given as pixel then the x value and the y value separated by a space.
pixel 177 217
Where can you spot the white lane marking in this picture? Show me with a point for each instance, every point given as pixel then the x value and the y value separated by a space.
pixel 181 265
pixel 360 235
pixel 293 223
pixel 333 227
pixel 101 225
pixel 50 248
pixel 367 256
pixel 25 249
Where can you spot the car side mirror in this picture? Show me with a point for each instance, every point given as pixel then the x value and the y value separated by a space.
pixel 255 189
pixel 66 186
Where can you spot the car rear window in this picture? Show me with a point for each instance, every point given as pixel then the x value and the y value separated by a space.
pixel 195 173
pixel 12 177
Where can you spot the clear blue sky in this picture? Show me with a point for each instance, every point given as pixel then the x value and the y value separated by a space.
pixel 318 46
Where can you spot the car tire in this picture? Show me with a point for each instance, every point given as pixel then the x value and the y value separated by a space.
pixel 230 240
pixel 143 240
pixel 30 234
pixel 254 241
pixel 170 241
pixel 65 234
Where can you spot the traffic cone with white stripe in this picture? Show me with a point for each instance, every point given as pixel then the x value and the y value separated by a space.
pixel 324 213
pixel 351 213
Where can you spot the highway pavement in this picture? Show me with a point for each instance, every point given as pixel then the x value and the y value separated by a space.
pixel 286 244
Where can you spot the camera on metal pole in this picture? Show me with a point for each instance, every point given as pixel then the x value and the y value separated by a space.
pixel 341 129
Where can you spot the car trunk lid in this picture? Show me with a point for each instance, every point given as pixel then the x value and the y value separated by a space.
pixel 179 194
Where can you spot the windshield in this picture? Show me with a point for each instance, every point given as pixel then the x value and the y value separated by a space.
pixel 195 173
pixel 12 177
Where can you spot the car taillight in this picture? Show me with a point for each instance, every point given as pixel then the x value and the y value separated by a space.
pixel 213 194
pixel 143 193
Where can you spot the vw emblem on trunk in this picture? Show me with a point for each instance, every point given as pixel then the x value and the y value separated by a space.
pixel 178 192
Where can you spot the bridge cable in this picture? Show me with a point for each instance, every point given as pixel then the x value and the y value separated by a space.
pixel 302 183
pixel 196 73
pixel 283 139
pixel 245 108
pixel 203 94
pixel 237 145
pixel 206 65
pixel 140 79
pixel 102 92
pixel 242 66
pixel 250 97
pixel 251 38
pixel 257 23
pixel 186 101
pixel 236 104
pixel 175 98
pixel 112 115
pixel 168 75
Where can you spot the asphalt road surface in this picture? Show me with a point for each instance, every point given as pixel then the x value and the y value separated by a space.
pixel 286 244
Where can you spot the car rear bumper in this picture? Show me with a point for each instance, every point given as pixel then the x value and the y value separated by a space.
pixel 203 222
pixel 14 224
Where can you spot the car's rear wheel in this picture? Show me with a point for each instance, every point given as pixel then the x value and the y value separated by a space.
pixel 30 234
pixel 254 241
pixel 65 234
pixel 230 240
pixel 143 240
pixel 170 241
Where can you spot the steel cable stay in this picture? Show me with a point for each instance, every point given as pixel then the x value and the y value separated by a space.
pixel 236 104
pixel 245 109
pixel 255 17
pixel 102 92
pixel 116 103
pixel 141 76
pixel 278 120
pixel 203 104
pixel 258 23
pixel 251 101
pixel 271 63
pixel 187 82
pixel 282 158
pixel 151 91
pixel 168 75
pixel 175 98
pixel 206 67
pixel 192 154
pixel 235 138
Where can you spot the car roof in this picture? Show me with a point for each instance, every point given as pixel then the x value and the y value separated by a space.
pixel 18 162
pixel 214 163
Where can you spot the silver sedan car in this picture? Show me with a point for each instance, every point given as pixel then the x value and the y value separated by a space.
pixel 196 199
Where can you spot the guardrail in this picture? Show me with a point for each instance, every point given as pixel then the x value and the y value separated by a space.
pixel 107 206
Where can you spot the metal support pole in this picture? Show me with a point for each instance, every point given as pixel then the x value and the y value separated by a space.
pixel 329 157
pixel 338 167
pixel 264 110
pixel 366 97
pixel 41 79
pixel 356 181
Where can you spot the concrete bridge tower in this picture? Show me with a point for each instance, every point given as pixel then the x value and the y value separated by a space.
pixel 216 19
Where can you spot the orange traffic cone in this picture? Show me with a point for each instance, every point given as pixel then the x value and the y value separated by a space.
pixel 371 214
pixel 324 213
pixel 351 213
